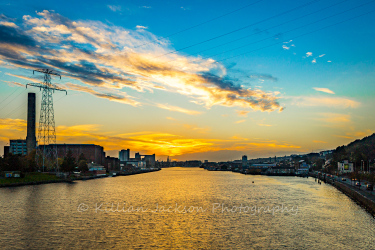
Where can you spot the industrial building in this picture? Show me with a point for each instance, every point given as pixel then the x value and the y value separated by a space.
pixel 139 161
pixel 149 159
pixel 112 163
pixel 18 147
pixel 93 153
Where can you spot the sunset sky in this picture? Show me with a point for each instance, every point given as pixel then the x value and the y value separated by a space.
pixel 193 79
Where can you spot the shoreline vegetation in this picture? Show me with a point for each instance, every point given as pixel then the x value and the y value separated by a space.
pixel 37 178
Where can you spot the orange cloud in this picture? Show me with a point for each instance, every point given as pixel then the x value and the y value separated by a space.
pixel 116 58
pixel 240 121
pixel 150 142
pixel 196 129
pixel 12 129
pixel 315 141
pixel 264 125
pixel 12 124
pixel 335 119
pixel 356 134
pixel 242 112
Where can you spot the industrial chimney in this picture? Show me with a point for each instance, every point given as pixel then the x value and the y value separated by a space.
pixel 30 138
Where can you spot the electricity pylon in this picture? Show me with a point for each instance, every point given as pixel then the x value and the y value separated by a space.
pixel 46 152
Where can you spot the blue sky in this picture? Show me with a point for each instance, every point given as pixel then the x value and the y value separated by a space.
pixel 280 78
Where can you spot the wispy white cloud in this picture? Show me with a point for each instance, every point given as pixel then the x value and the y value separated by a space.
pixel 114 8
pixel 9 24
pixel 314 60
pixel 325 90
pixel 286 47
pixel 178 109
pixel 264 77
pixel 141 27
pixel 308 54
pixel 322 55
pixel 322 101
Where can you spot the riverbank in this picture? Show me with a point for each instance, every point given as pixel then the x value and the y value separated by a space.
pixel 136 172
pixel 44 178
pixel 31 179
pixel 359 196
pixel 26 183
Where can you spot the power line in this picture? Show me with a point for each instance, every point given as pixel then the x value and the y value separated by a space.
pixel 271 27
pixel 20 116
pixel 239 29
pixel 307 33
pixel 36 97
pixel 9 95
pixel 12 100
pixel 291 29
pixel 14 110
pixel 213 19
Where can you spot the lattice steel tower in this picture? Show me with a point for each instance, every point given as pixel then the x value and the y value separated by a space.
pixel 46 152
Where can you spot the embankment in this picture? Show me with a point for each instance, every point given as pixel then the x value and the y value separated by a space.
pixel 367 203
pixel 356 196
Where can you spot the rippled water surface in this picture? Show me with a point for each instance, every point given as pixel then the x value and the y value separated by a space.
pixel 185 208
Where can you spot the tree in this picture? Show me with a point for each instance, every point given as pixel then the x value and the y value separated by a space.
pixel 2 164
pixel 69 163
pixel 82 166
pixel 318 164
pixel 14 162
pixel 82 157
pixel 31 162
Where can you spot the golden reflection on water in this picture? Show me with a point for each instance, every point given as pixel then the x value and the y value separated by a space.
pixel 103 213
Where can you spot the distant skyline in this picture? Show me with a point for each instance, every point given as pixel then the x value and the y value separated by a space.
pixel 193 80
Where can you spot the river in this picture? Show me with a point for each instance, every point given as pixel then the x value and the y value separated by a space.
pixel 183 208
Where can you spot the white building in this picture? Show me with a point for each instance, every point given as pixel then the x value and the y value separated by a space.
pixel 136 163
pixel 345 167
pixel 303 168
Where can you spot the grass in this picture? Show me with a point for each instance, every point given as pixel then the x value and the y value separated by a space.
pixel 30 177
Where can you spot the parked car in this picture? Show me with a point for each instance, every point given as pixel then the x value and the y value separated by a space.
pixel 358 184
pixel 343 179
pixel 369 187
